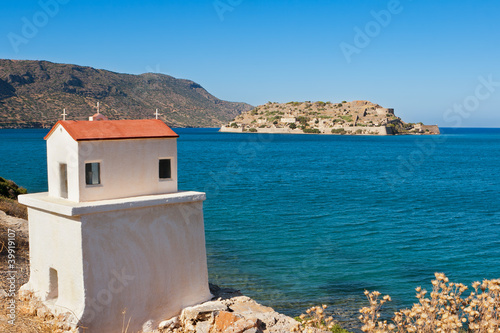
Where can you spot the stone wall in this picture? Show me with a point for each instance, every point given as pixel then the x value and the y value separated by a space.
pixel 231 129
pixel 434 129
pixel 365 130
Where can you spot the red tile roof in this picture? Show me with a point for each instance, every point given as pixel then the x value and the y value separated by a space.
pixel 115 129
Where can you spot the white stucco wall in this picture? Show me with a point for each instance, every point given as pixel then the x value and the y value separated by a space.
pixel 149 261
pixel 128 167
pixel 55 242
pixel 145 255
pixel 61 148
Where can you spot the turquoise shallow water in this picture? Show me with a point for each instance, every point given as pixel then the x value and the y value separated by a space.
pixel 295 220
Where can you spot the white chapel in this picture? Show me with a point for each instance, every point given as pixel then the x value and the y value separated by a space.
pixel 113 238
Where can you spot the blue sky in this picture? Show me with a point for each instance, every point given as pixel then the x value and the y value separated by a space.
pixel 433 61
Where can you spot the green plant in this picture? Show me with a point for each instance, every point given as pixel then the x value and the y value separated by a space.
pixel 311 130
pixel 303 120
pixel 274 119
pixel 9 189
pixel 338 131
pixel 253 130
pixel 338 329
pixel 292 126
pixel 234 125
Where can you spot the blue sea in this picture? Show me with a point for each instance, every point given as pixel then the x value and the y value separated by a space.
pixel 298 220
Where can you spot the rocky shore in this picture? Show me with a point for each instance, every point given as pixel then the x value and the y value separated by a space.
pixel 229 311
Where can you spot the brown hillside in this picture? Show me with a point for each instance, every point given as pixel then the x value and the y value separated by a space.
pixel 34 93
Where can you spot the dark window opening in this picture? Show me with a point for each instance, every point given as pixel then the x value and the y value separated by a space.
pixel 165 169
pixel 92 173
pixel 63 180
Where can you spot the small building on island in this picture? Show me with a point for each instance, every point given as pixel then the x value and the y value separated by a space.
pixel 113 239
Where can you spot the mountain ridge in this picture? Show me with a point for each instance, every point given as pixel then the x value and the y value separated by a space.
pixel 33 93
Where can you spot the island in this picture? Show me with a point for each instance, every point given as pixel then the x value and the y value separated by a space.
pixel 354 118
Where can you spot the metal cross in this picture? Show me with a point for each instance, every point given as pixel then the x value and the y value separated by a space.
pixel 64 114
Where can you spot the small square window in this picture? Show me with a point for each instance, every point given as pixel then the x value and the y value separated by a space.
pixel 165 169
pixel 92 173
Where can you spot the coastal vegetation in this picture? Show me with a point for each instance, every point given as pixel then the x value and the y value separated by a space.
pixel 445 310
pixel 9 192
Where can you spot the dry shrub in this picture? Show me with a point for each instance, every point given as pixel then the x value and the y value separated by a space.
pixel 26 320
pixel 370 314
pixel 483 306
pixel 316 318
pixel 22 247
pixel 13 208
pixel 446 311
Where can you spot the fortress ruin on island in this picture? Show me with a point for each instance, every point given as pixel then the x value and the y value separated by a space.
pixel 355 118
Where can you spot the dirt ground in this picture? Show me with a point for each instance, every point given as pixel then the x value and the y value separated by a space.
pixel 13 275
